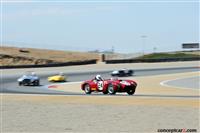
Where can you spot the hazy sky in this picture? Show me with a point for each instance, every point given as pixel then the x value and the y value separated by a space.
pixel 87 25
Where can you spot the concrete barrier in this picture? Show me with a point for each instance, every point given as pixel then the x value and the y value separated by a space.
pixel 151 60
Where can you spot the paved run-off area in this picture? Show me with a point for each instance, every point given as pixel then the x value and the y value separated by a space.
pixel 45 116
pixel 153 107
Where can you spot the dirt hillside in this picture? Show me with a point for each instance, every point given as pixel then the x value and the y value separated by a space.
pixel 30 56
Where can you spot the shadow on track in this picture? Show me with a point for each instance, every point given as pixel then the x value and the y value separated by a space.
pixel 101 95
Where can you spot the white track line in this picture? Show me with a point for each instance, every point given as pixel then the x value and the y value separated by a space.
pixel 164 83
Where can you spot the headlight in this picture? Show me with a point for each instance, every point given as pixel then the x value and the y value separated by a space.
pixel 134 83
pixel 19 80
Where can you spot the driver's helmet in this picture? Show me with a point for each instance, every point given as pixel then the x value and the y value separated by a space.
pixel 98 78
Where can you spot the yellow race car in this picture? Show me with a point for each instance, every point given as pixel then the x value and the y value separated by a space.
pixel 57 78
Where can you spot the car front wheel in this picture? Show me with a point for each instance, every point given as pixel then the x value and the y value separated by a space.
pixel 20 83
pixel 87 89
pixel 111 89
pixel 131 91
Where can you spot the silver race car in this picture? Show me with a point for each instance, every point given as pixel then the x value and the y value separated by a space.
pixel 122 72
pixel 29 79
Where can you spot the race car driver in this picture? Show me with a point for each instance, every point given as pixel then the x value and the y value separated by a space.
pixel 98 78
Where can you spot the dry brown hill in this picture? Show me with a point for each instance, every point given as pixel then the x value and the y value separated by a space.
pixel 31 56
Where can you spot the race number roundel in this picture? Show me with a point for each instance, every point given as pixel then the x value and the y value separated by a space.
pixel 100 85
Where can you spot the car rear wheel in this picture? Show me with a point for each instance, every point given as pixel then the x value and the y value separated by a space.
pixel 87 89
pixel 37 83
pixel 111 89
pixel 130 72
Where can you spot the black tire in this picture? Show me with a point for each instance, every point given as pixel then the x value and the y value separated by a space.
pixel 115 75
pixel 23 83
pixel 131 91
pixel 36 83
pixel 20 83
pixel 111 89
pixel 130 72
pixel 87 89
pixel 26 82
pixel 105 92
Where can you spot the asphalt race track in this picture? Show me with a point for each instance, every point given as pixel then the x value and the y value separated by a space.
pixel 9 83
pixel 157 104
pixel 190 82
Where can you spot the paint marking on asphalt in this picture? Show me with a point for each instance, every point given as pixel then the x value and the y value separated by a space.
pixel 53 86
pixel 57 84
pixel 66 83
pixel 164 83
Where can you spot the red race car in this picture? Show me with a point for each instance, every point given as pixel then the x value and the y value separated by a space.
pixel 110 86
